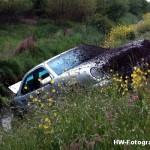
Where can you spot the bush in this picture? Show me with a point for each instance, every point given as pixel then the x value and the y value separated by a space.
pixel 66 9
pixel 10 71
pixel 102 23
pixel 102 7
pixel 138 7
pixel 119 34
pixel 129 19
pixel 10 9
pixel 15 5
pixel 144 25
pixel 117 9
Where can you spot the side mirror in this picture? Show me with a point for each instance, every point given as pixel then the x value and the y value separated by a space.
pixel 45 81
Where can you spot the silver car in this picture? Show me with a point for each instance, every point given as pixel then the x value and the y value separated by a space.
pixel 83 66
pixel 57 75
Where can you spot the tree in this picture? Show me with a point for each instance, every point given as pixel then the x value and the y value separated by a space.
pixel 117 9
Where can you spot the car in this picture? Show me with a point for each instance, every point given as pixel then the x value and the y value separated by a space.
pixel 83 66
pixel 58 74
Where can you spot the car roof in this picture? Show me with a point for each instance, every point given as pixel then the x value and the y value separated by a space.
pixel 72 49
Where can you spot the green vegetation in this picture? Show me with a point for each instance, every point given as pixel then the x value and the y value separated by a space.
pixel 91 119
pixel 125 33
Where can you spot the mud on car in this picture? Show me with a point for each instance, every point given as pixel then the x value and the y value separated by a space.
pixel 85 66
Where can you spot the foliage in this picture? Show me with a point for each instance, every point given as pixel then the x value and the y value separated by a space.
pixel 87 119
pixel 15 5
pixel 123 33
pixel 129 19
pixel 117 9
pixel 139 7
pixel 144 25
pixel 102 23
pixel 102 7
pixel 119 34
pixel 65 9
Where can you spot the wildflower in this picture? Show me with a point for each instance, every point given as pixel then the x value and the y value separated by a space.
pixel 42 88
pixel 55 114
pixel 50 100
pixel 133 98
pixel 142 59
pixel 40 126
pixel 42 105
pixel 29 104
pixel 39 79
pixel 52 82
pixel 37 92
pixel 46 120
pixel 45 126
pixel 25 87
pixel 53 90
pixel 31 96
pixel 35 100
pixel 59 85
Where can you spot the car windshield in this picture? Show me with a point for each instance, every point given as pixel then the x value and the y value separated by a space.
pixel 72 59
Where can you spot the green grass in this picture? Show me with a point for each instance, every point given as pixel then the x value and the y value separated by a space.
pixel 99 116
pixel 94 117
pixel 50 41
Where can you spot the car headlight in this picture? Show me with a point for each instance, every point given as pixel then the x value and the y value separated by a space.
pixel 97 72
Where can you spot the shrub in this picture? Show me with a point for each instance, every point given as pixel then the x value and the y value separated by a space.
pixel 138 7
pixel 10 8
pixel 102 23
pixel 66 9
pixel 15 5
pixel 102 6
pixel 144 25
pixel 129 19
pixel 119 34
pixel 10 71
pixel 117 9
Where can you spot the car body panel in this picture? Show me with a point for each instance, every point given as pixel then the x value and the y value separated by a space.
pixel 84 58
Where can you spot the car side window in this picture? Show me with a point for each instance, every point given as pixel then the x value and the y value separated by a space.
pixel 32 81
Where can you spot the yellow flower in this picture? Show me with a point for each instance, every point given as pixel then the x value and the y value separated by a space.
pixel 31 96
pixel 59 84
pixel 35 100
pixel 39 79
pixel 25 87
pixel 42 105
pixel 52 81
pixel 45 126
pixel 29 104
pixel 55 114
pixel 53 90
pixel 42 88
pixel 50 100
pixel 40 126
pixel 46 119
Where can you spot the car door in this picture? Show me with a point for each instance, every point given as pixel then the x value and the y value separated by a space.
pixel 31 87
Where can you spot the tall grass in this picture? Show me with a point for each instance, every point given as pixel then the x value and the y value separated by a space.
pixel 85 120
pixel 50 41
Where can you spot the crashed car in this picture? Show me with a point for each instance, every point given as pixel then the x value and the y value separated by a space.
pixel 57 74
pixel 85 66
